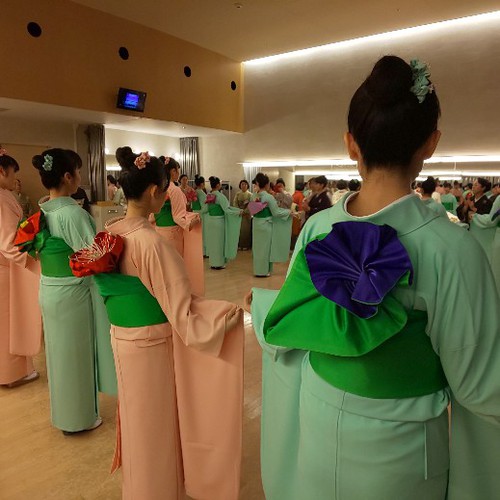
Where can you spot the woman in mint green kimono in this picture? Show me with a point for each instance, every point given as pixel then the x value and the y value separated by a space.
pixel 197 206
pixel 77 339
pixel 223 224
pixel 449 201
pixel 386 311
pixel 428 187
pixel 272 229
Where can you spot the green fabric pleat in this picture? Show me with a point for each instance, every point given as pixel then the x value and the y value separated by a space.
pixel 128 302
pixel 164 217
pixel 215 210
pixel 266 212
pixel 196 205
pixel 448 205
pixel 54 257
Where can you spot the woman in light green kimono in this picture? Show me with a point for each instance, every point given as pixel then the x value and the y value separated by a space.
pixel 77 338
pixel 387 309
pixel 223 224
pixel 197 206
pixel 272 230
pixel 449 201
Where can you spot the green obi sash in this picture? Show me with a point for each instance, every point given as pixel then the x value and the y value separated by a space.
pixel 448 205
pixel 264 213
pixel 196 205
pixel 403 366
pixel 215 210
pixel 54 258
pixel 128 302
pixel 164 217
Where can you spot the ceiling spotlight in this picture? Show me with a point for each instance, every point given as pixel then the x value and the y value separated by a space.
pixel 238 5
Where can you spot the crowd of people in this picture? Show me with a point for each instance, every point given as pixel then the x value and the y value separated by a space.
pixel 387 321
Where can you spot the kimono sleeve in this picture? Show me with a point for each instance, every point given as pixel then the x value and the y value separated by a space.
pixel 179 213
pixel 78 228
pixel 464 327
pixel 200 323
pixel 8 227
pixel 276 211
pixel 224 203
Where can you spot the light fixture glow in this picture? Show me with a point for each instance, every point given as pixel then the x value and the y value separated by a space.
pixel 177 156
pixel 113 168
pixel 106 151
pixel 390 35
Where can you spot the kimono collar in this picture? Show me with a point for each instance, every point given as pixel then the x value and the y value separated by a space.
pixel 407 214
pixel 126 225
pixel 57 203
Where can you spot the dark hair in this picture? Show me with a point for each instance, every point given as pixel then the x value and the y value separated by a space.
pixel 354 185
pixel 485 183
pixel 214 181
pixel 243 181
pixel 198 180
pixel 299 186
pixel 262 180
pixel 341 184
pixel 170 163
pixel 429 185
pixel 7 161
pixel 62 161
pixel 183 175
pixel 447 185
pixel 76 157
pixel 280 181
pixel 135 181
pixel 111 179
pixel 322 180
pixel 469 185
pixel 386 119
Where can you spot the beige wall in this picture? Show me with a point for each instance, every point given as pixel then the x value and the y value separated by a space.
pixel 75 63
pixel 297 107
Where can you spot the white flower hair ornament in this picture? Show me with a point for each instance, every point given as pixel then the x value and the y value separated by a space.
pixel 47 163
pixel 141 160
pixel 3 151
pixel 421 84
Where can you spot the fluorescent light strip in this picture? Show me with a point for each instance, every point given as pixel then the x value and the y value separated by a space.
pixel 347 162
pixel 113 168
pixel 390 35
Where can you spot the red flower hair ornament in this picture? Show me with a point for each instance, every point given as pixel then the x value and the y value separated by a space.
pixel 100 257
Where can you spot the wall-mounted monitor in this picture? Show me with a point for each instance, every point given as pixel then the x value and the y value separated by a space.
pixel 133 100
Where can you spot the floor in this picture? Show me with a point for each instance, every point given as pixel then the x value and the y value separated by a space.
pixel 37 462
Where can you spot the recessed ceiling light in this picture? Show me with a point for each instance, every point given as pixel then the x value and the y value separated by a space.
pixel 238 5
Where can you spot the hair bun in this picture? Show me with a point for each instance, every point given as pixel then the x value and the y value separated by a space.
pixel 390 80
pixel 125 156
pixel 37 161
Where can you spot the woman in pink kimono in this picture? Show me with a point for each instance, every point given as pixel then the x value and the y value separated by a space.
pixel 20 320
pixel 182 228
pixel 177 434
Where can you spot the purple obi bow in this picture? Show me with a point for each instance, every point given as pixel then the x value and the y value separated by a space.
pixel 357 264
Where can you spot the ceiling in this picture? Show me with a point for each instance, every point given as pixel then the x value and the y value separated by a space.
pixel 34 111
pixel 249 29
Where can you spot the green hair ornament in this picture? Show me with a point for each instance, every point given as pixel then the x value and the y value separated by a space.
pixel 421 84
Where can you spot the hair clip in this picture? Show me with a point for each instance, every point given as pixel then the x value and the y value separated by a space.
pixel 47 164
pixel 421 84
pixel 167 160
pixel 3 151
pixel 141 160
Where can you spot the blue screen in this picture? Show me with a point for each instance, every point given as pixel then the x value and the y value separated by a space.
pixel 131 100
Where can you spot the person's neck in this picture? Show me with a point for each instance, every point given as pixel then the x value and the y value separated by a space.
pixel 137 210
pixel 426 196
pixel 478 196
pixel 59 192
pixel 380 188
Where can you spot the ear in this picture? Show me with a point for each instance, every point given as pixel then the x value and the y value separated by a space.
pixel 431 144
pixel 67 177
pixel 352 147
pixel 154 191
